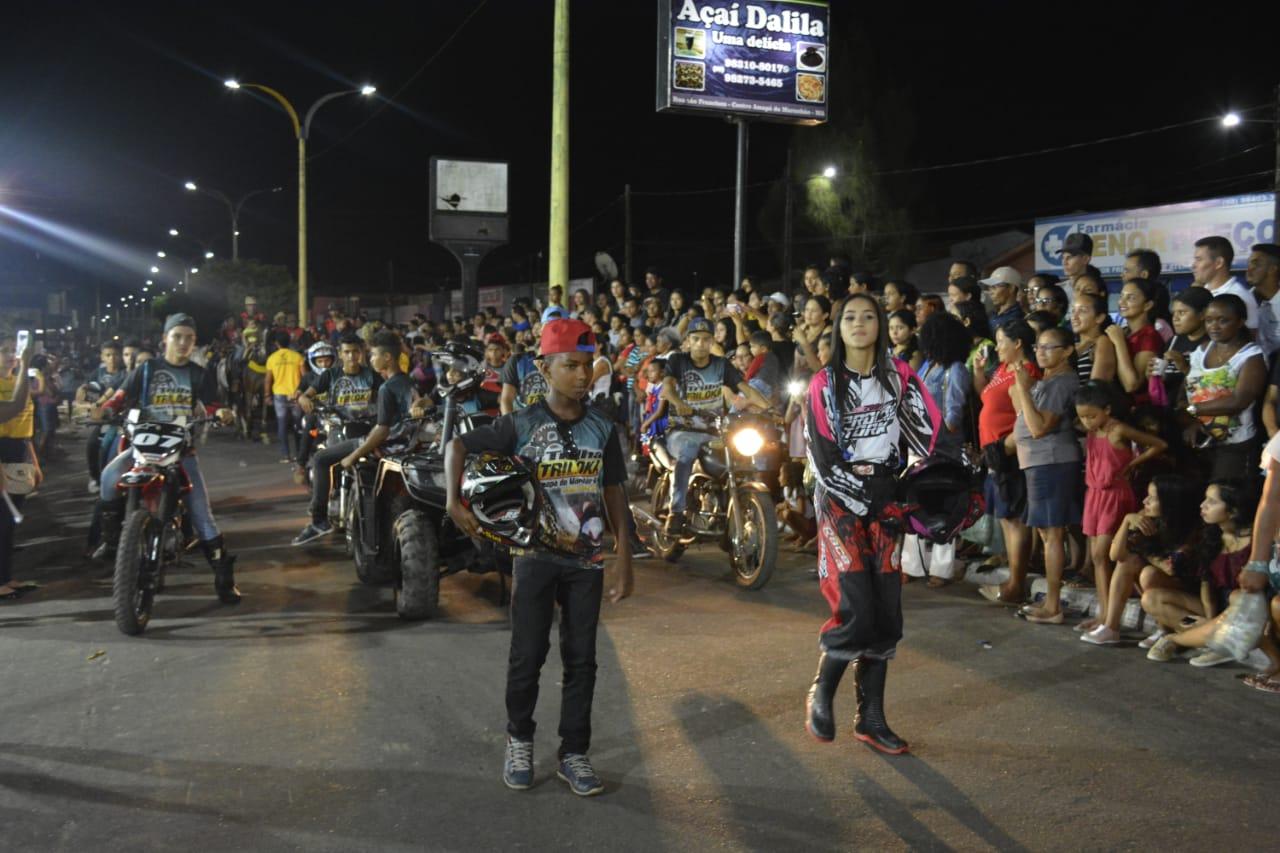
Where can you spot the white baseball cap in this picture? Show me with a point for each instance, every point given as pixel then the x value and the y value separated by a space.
pixel 779 298
pixel 1003 275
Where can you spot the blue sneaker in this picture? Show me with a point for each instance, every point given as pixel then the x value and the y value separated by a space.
pixel 517 770
pixel 575 768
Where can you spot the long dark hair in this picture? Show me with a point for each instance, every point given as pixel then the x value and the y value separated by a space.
pixel 1241 498
pixel 944 340
pixel 979 324
pixel 883 361
pixel 1179 510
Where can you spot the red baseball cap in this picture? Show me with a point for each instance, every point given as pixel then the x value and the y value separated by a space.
pixel 566 336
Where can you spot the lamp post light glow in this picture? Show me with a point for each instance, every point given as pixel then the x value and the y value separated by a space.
pixel 160 254
pixel 208 256
pixel 829 172
pixel 173 232
pixel 191 186
pixel 301 130
pixel 155 270
pixel 1231 120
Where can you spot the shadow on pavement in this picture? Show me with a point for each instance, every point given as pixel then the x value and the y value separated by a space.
pixel 748 768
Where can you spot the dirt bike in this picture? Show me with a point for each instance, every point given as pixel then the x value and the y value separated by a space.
pixel 727 501
pixel 151 540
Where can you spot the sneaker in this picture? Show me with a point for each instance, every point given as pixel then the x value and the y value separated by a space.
pixel 1152 639
pixel 312 532
pixel 1164 650
pixel 1101 636
pixel 575 768
pixel 94 488
pixel 517 769
pixel 1210 658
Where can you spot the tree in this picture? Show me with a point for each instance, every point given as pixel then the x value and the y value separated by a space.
pixel 869 126
pixel 226 284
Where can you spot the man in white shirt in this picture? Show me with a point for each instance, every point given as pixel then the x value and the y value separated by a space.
pixel 1263 275
pixel 1211 268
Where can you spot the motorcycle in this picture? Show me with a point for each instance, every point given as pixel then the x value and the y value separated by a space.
pixel 151 540
pixel 727 501
pixel 397 527
pixel 336 425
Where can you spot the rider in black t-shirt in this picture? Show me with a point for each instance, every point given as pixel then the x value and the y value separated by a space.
pixel 396 400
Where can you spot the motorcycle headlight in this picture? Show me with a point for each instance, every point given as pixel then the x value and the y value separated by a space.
pixel 747 441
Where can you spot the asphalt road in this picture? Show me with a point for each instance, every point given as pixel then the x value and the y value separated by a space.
pixel 311 718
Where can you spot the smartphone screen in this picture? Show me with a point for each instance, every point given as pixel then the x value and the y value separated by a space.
pixel 24 337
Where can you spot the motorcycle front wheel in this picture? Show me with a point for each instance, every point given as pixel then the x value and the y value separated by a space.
pixel 756 540
pixel 131 599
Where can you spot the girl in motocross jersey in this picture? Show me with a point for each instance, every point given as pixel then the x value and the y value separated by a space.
pixel 863 407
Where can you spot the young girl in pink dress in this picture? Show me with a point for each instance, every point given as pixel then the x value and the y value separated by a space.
pixel 1109 460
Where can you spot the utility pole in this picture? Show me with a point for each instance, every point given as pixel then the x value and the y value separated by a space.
pixel 1275 211
pixel 558 244
pixel 626 234
pixel 787 224
pixel 740 206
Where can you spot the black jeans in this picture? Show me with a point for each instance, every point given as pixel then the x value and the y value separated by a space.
pixel 322 473
pixel 537 586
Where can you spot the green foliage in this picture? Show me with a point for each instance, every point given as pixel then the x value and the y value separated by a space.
pixel 859 212
pixel 227 283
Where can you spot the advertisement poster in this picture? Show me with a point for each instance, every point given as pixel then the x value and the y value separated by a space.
pixel 766 60
pixel 1171 230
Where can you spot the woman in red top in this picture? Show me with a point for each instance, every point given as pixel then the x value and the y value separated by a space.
pixel 1006 490
pixel 1141 342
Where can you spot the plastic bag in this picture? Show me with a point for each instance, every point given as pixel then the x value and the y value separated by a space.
pixel 1241 626
pixel 1157 392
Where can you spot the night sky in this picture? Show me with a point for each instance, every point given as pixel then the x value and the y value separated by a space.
pixel 105 112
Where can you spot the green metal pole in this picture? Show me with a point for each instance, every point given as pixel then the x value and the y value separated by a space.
pixel 558 245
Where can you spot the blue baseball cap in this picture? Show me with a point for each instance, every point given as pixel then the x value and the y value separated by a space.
pixel 698 324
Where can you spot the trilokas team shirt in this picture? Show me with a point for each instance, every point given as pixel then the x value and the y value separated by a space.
pixel 351 392
pixel 701 387
pixel 573 462
pixel 523 373
pixel 165 392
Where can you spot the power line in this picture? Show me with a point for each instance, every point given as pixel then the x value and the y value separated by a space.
pixel 412 77
pixel 1104 140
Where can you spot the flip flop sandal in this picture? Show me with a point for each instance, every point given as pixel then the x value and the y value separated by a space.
pixel 1264 683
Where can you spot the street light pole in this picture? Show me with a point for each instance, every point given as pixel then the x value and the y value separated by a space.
pixel 233 208
pixel 301 130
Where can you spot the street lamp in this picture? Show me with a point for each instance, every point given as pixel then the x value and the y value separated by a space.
pixel 233 208
pixel 1233 119
pixel 173 232
pixel 208 256
pixel 829 172
pixel 155 270
pixel 160 254
pixel 301 130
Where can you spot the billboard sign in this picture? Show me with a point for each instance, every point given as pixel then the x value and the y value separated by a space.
pixel 765 59
pixel 1171 230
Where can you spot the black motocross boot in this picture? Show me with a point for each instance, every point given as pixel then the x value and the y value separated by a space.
pixel 819 717
pixel 223 565
pixel 871 727
pixel 112 520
